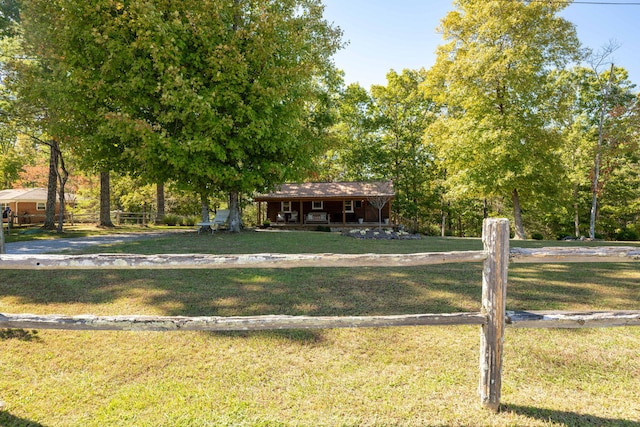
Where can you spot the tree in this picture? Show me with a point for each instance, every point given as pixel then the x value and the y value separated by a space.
pixel 37 101
pixel 380 136
pixel 493 78
pixel 385 194
pixel 357 143
pixel 227 96
pixel 402 112
pixel 600 133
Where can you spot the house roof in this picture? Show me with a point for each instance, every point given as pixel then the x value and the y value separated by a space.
pixel 330 190
pixel 26 195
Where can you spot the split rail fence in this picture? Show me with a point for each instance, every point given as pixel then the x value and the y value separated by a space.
pixel 492 317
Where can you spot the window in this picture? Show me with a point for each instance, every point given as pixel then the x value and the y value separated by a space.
pixel 41 206
pixel 348 206
pixel 358 204
pixel 285 207
pixel 316 205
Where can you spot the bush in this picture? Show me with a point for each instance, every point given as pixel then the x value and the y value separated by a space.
pixel 171 219
pixel 626 234
pixel 190 220
pixel 537 236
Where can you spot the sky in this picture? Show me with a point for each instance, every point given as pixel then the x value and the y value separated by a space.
pixel 399 34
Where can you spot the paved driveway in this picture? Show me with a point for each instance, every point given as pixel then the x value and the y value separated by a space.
pixel 56 245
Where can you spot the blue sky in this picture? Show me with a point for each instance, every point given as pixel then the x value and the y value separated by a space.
pixel 399 34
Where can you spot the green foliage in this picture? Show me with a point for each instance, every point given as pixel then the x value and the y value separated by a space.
pixel 381 137
pixel 493 79
pixel 172 219
pixel 627 234
pixel 615 152
pixel 216 95
pixel 190 221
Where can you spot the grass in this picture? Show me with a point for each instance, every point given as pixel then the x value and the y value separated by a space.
pixel 411 376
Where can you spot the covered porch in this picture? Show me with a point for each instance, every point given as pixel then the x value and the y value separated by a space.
pixel 333 204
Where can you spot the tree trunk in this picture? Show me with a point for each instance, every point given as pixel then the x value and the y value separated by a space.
pixel 204 203
pixel 596 166
pixel 517 216
pixel 159 203
pixel 576 213
pixel 594 192
pixel 63 181
pixel 235 221
pixel 63 176
pixel 52 187
pixel 105 200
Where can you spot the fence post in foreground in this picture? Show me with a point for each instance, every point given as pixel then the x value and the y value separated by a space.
pixel 495 237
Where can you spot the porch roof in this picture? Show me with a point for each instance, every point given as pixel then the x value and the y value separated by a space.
pixel 329 190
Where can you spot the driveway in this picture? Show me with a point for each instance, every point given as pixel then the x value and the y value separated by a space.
pixel 56 245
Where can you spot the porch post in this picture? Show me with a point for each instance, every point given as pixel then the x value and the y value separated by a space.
pixel 301 213
pixel 344 212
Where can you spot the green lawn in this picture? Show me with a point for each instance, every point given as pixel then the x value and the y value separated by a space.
pixel 407 376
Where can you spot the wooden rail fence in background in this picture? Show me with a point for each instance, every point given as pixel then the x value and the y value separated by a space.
pixel 492 317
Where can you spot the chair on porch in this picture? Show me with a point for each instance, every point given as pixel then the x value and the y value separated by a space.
pixel 281 217
pixel 293 217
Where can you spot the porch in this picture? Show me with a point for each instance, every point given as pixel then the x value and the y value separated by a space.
pixel 339 206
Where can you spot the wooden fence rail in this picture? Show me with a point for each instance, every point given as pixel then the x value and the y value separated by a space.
pixel 492 317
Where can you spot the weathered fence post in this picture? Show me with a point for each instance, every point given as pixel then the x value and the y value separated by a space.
pixel 495 237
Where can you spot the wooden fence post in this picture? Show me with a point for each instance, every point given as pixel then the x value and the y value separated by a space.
pixel 495 237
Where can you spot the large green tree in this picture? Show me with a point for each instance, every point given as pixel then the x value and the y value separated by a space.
pixel 33 101
pixel 600 135
pixel 493 77
pixel 353 155
pixel 218 95
pixel 403 111
pixel 381 137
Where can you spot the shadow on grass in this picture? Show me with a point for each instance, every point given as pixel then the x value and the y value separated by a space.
pixel 561 286
pixel 250 292
pixel 569 419
pixel 19 334
pixel 8 420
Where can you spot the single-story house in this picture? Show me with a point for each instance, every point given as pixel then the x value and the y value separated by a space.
pixel 28 205
pixel 333 203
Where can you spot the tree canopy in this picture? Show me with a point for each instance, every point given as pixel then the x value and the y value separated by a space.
pixel 218 95
pixel 493 77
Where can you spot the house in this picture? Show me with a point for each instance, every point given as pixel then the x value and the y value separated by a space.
pixel 28 205
pixel 338 204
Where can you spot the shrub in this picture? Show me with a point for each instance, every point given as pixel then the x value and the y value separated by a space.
pixel 626 234
pixel 537 236
pixel 190 220
pixel 171 219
